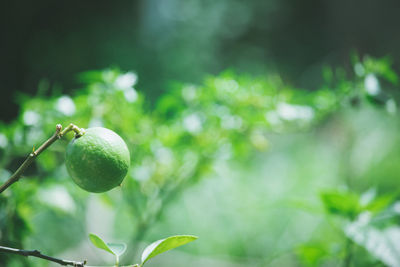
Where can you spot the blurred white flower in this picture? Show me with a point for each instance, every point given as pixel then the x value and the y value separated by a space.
pixel 130 95
pixel 192 123
pixel 126 81
pixel 3 141
pixel 31 117
pixel 65 105
pixel 294 112
pixel 371 84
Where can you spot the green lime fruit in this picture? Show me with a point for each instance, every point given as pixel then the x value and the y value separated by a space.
pixel 98 160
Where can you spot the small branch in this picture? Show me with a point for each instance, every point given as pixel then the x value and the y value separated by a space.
pixel 36 253
pixel 71 127
pixel 57 135
pixel 17 175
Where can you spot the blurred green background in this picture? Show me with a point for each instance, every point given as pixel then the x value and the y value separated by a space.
pixel 185 40
pixel 267 128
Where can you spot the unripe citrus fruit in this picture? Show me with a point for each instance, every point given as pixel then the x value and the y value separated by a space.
pixel 98 160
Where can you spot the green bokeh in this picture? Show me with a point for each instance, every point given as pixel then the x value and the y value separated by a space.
pixel 265 174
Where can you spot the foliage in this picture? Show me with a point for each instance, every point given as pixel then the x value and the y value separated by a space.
pixel 154 249
pixel 163 245
pixel 116 249
pixel 175 145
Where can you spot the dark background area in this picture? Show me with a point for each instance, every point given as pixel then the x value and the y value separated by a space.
pixel 49 42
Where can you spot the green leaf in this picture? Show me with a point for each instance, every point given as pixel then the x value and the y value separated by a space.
pixel 311 254
pixel 381 203
pixel 164 245
pixel 116 249
pixel 98 242
pixel 346 204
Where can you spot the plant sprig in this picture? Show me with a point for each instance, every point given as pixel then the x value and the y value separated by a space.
pixel 152 250
pixel 35 153
pixel 117 249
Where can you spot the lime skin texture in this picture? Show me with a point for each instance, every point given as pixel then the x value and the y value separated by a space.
pixel 98 160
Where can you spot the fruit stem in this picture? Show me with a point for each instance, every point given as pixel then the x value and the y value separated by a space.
pixel 116 260
pixel 72 127
pixel 57 135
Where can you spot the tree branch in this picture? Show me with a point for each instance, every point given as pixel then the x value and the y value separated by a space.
pixel 17 175
pixel 57 135
pixel 36 253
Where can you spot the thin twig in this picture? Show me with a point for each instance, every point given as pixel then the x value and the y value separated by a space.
pixel 17 175
pixel 57 135
pixel 36 253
